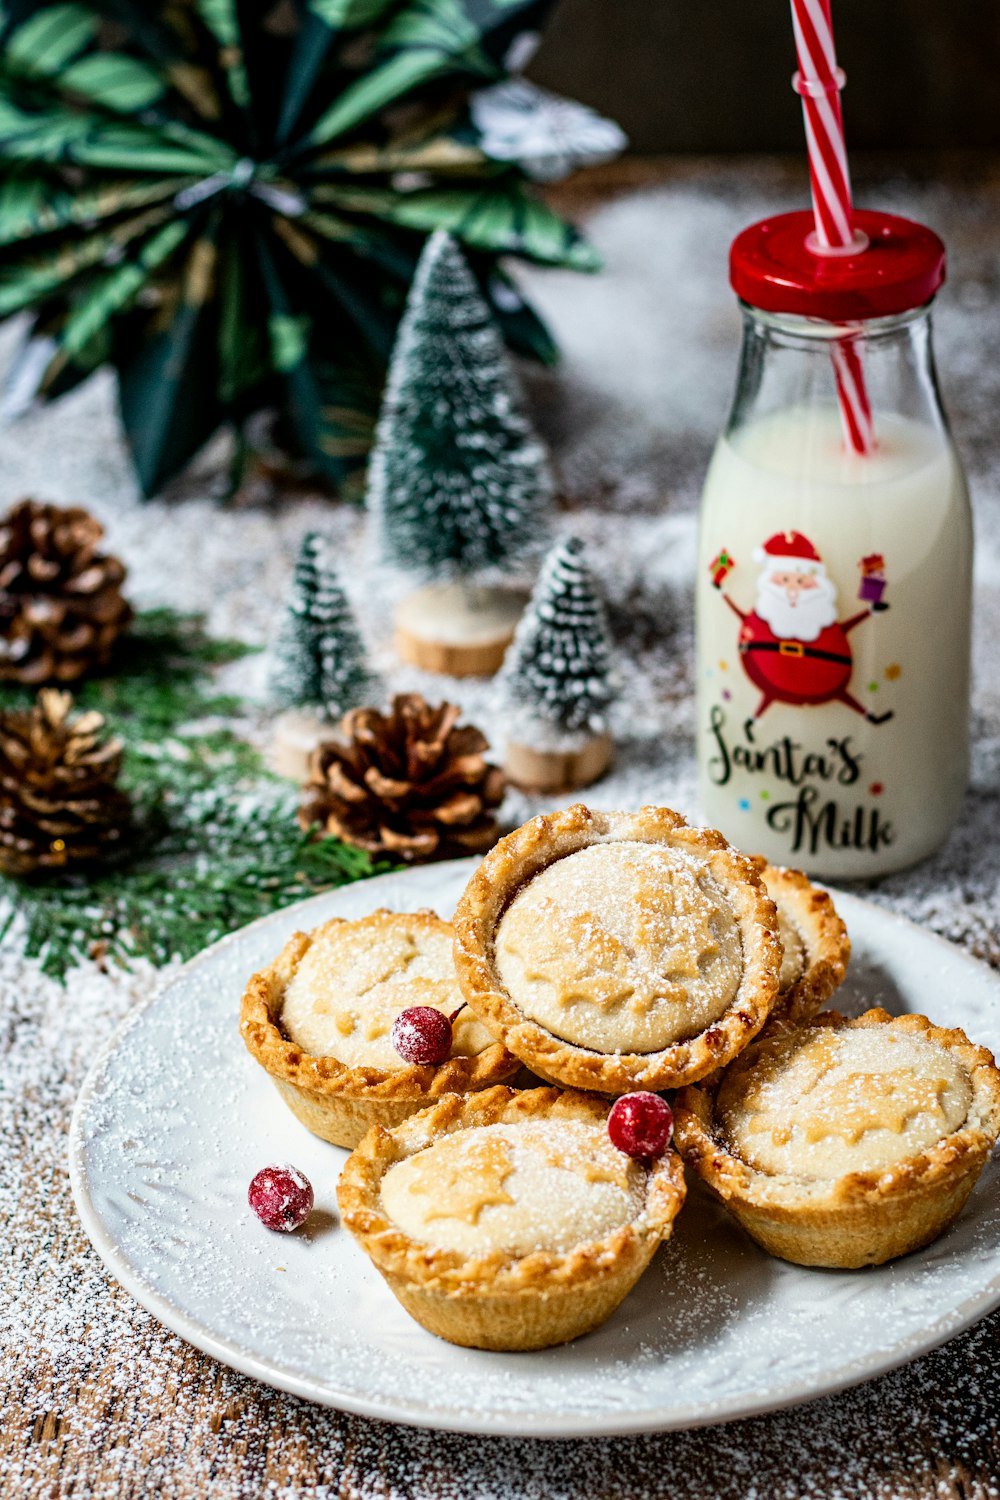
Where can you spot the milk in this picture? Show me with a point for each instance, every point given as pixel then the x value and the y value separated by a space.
pixel 788 768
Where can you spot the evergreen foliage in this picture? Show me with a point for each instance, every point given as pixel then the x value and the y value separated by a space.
pixel 319 657
pixel 458 482
pixel 559 670
pixel 216 842
pixel 226 201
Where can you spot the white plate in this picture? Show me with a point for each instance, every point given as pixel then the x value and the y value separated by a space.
pixel 174 1119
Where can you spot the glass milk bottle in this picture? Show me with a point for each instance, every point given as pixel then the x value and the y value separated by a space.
pixel 834 586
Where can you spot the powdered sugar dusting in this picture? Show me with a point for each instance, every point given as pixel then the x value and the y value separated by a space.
pixel 622 946
pixel 820 1103
pixel 515 1188
pixel 352 983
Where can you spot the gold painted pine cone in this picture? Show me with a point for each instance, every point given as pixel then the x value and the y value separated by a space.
pixel 61 605
pixel 59 805
pixel 410 782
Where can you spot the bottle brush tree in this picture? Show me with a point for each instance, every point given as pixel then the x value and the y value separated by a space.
pixel 459 485
pixel 319 659
pixel 459 482
pixel 558 678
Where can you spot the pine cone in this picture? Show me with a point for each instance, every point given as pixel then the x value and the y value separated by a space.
pixel 61 606
pixel 59 805
pixel 407 783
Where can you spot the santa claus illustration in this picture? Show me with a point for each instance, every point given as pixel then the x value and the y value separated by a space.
pixel 791 645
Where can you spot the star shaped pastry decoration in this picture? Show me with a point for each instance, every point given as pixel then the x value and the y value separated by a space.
pixel 590 1168
pixel 576 954
pixel 386 959
pixel 462 1186
pixel 845 1107
pixel 860 1103
pixel 676 922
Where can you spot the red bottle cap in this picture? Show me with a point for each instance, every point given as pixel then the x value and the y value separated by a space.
pixel 900 266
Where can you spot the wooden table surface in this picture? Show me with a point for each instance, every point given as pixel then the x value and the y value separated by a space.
pixel 100 1400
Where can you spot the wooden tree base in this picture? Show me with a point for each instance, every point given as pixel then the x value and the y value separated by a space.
pixel 457 630
pixel 558 770
pixel 294 736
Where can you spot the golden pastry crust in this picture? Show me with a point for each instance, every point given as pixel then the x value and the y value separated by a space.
pixel 861 1218
pixel 336 1102
pixel 497 1300
pixel 516 859
pixel 827 947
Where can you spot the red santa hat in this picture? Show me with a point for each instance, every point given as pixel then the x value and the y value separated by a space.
pixel 789 547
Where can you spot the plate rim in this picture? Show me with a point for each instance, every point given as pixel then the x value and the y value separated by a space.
pixel 487 1424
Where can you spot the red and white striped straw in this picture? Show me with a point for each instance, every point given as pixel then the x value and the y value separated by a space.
pixel 852 393
pixel 819 81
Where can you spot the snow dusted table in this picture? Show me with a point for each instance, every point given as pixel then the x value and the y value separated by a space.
pixel 101 1401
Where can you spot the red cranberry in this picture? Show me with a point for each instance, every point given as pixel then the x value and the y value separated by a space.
pixel 281 1197
pixel 422 1034
pixel 641 1124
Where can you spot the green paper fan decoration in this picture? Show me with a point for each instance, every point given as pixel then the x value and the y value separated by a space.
pixel 226 201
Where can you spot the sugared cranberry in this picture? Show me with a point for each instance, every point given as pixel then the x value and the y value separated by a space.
pixel 422 1034
pixel 641 1124
pixel 281 1197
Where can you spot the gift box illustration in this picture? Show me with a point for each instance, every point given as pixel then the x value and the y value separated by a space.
pixel 873 580
pixel 720 567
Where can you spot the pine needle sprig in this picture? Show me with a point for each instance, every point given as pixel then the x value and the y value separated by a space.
pixel 215 867
pixel 158 679
pixel 216 841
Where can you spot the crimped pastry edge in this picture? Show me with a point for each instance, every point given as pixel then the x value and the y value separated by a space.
pixel 792 1200
pixel 551 836
pixel 327 1077
pixel 452 1273
pixel 823 932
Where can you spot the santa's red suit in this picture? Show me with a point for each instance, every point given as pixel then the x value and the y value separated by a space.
pixel 789 670
pixel 797 671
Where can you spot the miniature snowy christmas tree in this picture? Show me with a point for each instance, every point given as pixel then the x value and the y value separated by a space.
pixel 558 679
pixel 319 669
pixel 459 487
